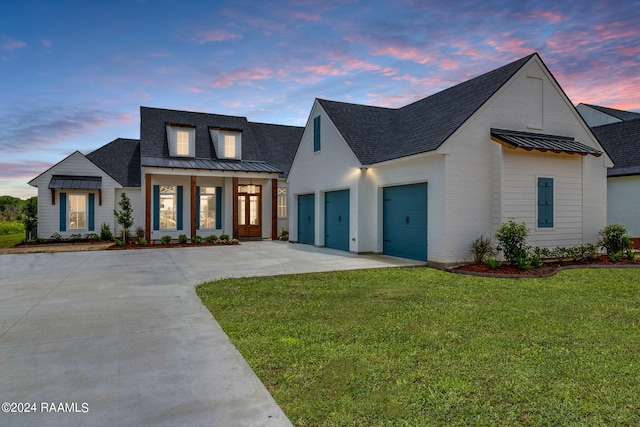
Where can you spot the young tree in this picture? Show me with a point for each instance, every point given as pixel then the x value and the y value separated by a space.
pixel 30 218
pixel 124 216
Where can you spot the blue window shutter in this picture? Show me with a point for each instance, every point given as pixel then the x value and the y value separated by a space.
pixel 92 213
pixel 63 211
pixel 196 215
pixel 316 134
pixel 156 207
pixel 219 207
pixel 179 216
pixel 545 202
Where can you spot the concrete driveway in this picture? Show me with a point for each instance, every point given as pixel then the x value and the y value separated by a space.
pixel 119 338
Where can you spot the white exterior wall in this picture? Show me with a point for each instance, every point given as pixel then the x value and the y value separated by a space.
pixel 137 204
pixel 334 167
pixel 486 186
pixel 49 215
pixel 623 193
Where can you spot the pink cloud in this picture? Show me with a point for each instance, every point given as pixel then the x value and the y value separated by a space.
pixel 548 15
pixel 301 16
pixel 22 170
pixel 324 70
pixel 242 75
pixel 217 35
pixel 10 44
pixel 406 53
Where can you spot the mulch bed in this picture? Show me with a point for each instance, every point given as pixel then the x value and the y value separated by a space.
pixel 547 269
pixel 133 245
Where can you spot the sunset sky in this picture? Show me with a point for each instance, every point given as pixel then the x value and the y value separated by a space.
pixel 73 74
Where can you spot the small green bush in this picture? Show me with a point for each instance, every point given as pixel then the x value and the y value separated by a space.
pixel 75 236
pixel 165 240
pixel 224 237
pixel 631 254
pixel 492 263
pixel 523 263
pixel 119 242
pixel 614 238
pixel 139 232
pixel 92 236
pixel 56 236
pixel 615 256
pixel 197 240
pixel 482 248
pixel 142 241
pixel 182 239
pixel 512 241
pixel 535 261
pixel 211 239
pixel 105 232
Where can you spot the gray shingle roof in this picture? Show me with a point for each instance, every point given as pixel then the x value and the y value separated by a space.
pixel 618 114
pixel 378 134
pixel 536 141
pixel 621 140
pixel 120 159
pixel 274 144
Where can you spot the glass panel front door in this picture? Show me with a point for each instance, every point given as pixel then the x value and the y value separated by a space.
pixel 249 211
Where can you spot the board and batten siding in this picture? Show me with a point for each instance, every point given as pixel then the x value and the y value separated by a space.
pixel 520 192
pixel 49 215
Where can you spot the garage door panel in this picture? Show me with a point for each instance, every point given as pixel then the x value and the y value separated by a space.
pixel 306 219
pixel 336 217
pixel 405 221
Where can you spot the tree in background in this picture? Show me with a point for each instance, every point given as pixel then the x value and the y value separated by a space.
pixel 30 218
pixel 124 216
pixel 11 208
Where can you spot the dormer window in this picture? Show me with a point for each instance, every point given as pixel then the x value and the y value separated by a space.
pixel 182 141
pixel 227 143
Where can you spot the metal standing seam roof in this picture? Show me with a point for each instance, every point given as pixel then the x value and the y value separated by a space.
pixel 208 164
pixel 541 142
pixel 75 182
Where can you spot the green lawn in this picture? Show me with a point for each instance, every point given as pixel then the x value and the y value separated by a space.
pixel 421 347
pixel 8 240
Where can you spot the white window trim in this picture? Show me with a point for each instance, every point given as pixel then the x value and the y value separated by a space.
pixel 175 207
pixel 282 195
pixel 204 194
pixel 222 152
pixel 85 211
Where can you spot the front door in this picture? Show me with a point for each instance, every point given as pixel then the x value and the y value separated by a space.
pixel 249 210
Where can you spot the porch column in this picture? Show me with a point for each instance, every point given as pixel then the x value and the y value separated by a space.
pixel 235 207
pixel 147 207
pixel 195 216
pixel 274 209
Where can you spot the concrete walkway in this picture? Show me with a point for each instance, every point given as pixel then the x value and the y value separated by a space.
pixel 119 338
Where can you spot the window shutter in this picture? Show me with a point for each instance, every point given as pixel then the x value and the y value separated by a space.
pixel 156 207
pixel 63 211
pixel 196 216
pixel 219 207
pixel 92 202
pixel 179 215
pixel 545 202
pixel 316 134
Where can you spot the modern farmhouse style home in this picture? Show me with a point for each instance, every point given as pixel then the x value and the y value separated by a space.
pixel 423 181
pixel 190 173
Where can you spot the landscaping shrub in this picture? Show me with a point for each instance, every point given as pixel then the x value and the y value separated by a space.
pixel 57 237
pixel 105 232
pixel 212 238
pixel 165 240
pixel 224 237
pixel 142 241
pixel 512 241
pixel 482 248
pixel 92 236
pixel 197 240
pixel 182 239
pixel 614 238
pixel 139 233
pixel 631 254
pixel 492 263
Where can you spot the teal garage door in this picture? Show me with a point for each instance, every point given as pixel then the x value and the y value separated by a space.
pixel 306 218
pixel 336 219
pixel 404 217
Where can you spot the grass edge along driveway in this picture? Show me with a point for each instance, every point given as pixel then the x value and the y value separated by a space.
pixel 418 346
